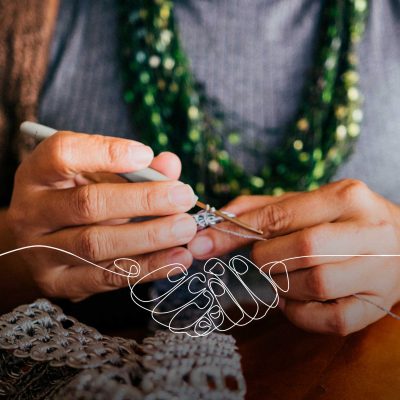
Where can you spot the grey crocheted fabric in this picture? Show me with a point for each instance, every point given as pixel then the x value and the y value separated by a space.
pixel 45 354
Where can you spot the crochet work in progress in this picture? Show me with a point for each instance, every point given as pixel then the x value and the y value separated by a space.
pixel 45 354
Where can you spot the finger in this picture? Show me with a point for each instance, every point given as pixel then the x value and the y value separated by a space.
pixel 245 203
pixel 322 244
pixel 213 243
pixel 98 177
pixel 66 154
pixel 168 164
pixel 333 280
pixel 98 243
pixel 95 203
pixel 342 317
pixel 81 281
pixel 290 214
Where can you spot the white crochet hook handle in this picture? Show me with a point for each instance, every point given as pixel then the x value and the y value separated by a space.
pixel 41 132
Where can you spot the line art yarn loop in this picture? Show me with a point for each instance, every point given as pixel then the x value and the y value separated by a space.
pixel 220 296
pixel 208 290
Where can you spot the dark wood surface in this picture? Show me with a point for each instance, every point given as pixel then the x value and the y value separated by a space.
pixel 282 362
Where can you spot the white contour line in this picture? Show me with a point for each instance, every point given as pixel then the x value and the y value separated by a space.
pixel 129 275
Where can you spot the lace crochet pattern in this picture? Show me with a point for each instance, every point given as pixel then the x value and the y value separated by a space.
pixel 45 354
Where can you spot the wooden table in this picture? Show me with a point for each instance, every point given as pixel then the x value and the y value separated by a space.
pixel 283 362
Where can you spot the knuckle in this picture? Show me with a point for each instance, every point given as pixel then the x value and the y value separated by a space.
pixel 150 236
pixel 86 203
pixel 274 218
pixel 89 244
pixel 317 283
pixel 308 242
pixel 115 152
pixel 148 200
pixel 59 151
pixel 110 278
pixel 340 324
pixel 353 190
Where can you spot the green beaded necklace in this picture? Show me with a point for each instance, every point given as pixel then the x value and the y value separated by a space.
pixel 173 113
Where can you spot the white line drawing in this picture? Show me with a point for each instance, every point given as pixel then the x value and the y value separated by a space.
pixel 216 298
pixel 128 274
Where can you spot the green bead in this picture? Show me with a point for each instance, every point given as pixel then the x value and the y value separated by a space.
pixel 144 77
pixel 298 145
pixel 304 157
pixel 194 135
pixel 169 63
pixel 257 181
pixel 162 139
pixel 156 119
pixel 354 130
pixel 353 94
pixel 193 112
pixel 341 132
pixel 313 186
pixel 223 155
pixel 319 170
pixel 360 5
pixel 234 138
pixel 317 154
pixel 149 99
pixel 200 189
pixel 278 191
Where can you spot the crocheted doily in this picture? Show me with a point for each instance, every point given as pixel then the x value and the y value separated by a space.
pixel 45 354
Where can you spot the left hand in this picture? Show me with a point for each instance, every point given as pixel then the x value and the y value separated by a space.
pixel 344 220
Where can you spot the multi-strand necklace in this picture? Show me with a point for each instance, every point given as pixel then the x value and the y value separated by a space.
pixel 172 112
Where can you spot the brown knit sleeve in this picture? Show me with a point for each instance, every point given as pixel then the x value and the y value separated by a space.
pixel 26 28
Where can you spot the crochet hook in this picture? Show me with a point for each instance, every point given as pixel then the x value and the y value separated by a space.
pixel 41 132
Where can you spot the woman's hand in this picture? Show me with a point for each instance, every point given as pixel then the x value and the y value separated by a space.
pixel 55 204
pixel 344 220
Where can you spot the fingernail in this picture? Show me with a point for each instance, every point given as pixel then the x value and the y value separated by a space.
pixel 181 195
pixel 183 229
pixel 201 245
pixel 142 154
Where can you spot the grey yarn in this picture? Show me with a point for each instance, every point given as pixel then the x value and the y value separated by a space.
pixel 45 354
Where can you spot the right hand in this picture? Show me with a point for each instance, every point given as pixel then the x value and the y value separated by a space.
pixel 54 204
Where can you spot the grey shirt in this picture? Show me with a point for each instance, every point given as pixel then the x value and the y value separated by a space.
pixel 252 55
